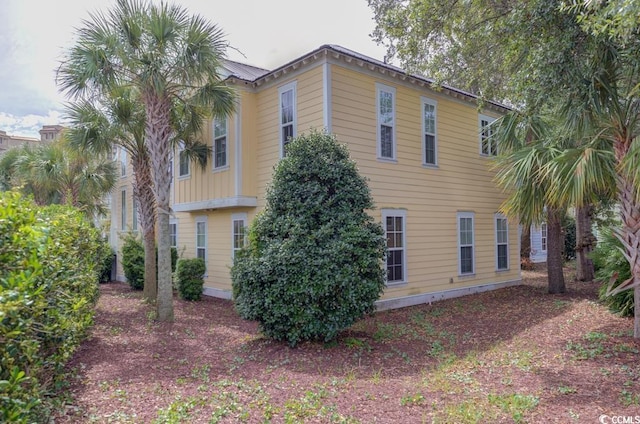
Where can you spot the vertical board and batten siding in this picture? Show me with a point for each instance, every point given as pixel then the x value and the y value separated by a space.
pixel 309 116
pixel 431 196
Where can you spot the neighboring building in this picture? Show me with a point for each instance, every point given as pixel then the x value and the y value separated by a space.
pixel 538 243
pixel 48 133
pixel 425 152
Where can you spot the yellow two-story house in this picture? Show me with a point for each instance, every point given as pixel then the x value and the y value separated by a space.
pixel 424 150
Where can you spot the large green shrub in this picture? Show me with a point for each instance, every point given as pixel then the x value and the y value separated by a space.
pixel 313 265
pixel 133 260
pixel 608 260
pixel 189 280
pixel 48 290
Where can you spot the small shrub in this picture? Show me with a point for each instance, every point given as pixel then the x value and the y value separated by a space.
pixel 313 264
pixel 106 263
pixel 608 259
pixel 133 261
pixel 189 280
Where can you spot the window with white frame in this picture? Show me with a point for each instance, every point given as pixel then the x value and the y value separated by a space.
pixel 502 243
pixel 288 115
pixel 201 238
pixel 173 233
pixel 123 162
pixel 394 223
pixel 123 210
pixel 386 105
pixel 183 163
pixel 238 236
pixel 543 236
pixel 465 243
pixel 219 143
pixel 488 143
pixel 429 145
pixel 134 215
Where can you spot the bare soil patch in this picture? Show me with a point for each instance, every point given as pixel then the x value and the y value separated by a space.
pixel 512 355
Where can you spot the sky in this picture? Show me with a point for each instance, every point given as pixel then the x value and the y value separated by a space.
pixel 264 33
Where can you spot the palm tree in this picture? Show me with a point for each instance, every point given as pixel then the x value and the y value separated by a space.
pixel 172 59
pixel 119 121
pixel 605 111
pixel 54 173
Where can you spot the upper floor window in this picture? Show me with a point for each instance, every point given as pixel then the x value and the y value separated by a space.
pixel 386 105
pixel 184 168
pixel 123 162
pixel 393 222
pixel 219 143
pixel 288 115
pixel 502 243
pixel 429 146
pixel 488 143
pixel 465 243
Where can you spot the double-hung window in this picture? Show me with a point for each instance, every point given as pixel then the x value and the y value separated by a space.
pixel 134 215
pixel 429 145
pixel 287 95
pixel 488 143
pixel 219 143
pixel 394 222
pixel 123 162
pixel 173 232
pixel 123 210
pixel 183 162
pixel 502 243
pixel 238 225
pixel 466 261
pixel 201 238
pixel 543 236
pixel 386 105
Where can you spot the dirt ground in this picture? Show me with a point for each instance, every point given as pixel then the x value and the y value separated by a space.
pixel 512 355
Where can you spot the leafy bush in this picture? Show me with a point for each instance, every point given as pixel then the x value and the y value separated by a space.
pixel 106 263
pixel 48 290
pixel 133 260
pixel 607 260
pixel 189 280
pixel 313 265
pixel 569 232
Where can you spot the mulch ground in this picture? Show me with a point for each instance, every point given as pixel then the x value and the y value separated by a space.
pixel 512 355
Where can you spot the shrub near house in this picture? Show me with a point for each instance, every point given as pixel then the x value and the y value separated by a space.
pixel 50 263
pixel 314 261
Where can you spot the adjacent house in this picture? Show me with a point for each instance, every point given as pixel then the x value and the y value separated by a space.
pixel 48 133
pixel 538 243
pixel 425 150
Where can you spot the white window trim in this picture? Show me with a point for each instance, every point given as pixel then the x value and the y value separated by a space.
pixel 544 246
pixel 473 244
pixel 213 146
pixel 403 214
pixel 489 119
pixel 242 216
pixel 427 101
pixel 123 209
pixel 188 174
pixel 293 85
pixel 380 88
pixel 495 222
pixel 206 240
pixel 174 221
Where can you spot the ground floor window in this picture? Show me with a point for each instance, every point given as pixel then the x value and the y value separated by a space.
pixel 502 243
pixel 201 238
pixel 465 243
pixel 238 236
pixel 394 223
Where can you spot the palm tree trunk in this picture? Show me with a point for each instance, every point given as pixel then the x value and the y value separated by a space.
pixel 143 192
pixel 158 132
pixel 525 243
pixel 555 244
pixel 585 243
pixel 629 235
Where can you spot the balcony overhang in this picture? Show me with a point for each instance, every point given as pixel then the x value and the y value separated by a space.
pixel 220 203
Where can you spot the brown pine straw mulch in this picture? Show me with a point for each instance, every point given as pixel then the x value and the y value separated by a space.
pixel 512 355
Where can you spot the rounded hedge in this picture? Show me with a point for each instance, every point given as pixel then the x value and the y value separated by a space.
pixel 313 265
pixel 189 280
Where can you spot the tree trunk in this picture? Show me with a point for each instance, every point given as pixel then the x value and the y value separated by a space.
pixel 585 243
pixel 158 132
pixel 555 244
pixel 525 242
pixel 143 192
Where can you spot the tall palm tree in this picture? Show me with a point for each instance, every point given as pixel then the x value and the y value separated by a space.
pixel 172 58
pixel 54 173
pixel 606 112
